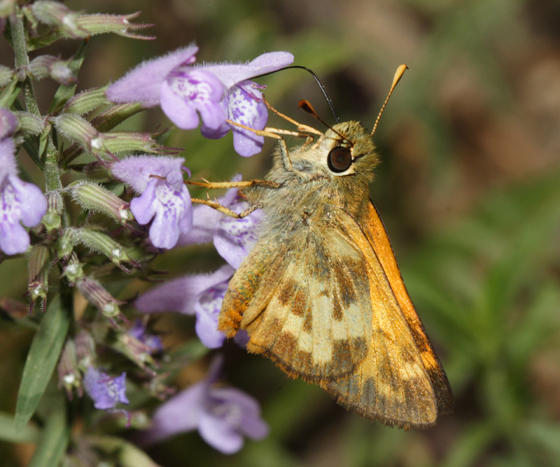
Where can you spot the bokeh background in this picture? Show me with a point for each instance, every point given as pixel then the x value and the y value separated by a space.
pixel 469 189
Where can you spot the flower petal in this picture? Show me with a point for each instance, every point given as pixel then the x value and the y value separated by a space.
pixel 205 219
pixel 177 109
pixel 219 434
pixel 14 238
pixel 143 207
pixel 230 74
pixel 245 106
pixel 138 171
pixel 8 123
pixel 180 294
pixel 7 158
pixel 179 414
pixel 33 203
pixel 143 83
pixel 250 422
pixel 234 238
pixel 106 391
pixel 207 308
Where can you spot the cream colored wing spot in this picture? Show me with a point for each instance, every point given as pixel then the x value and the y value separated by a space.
pixel 314 324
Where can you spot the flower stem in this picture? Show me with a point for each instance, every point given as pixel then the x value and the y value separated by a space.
pixel 22 59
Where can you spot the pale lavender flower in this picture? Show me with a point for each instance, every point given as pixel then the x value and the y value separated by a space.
pixel 200 295
pixel 222 416
pixel 106 391
pixel 20 202
pixel 210 92
pixel 233 238
pixel 163 196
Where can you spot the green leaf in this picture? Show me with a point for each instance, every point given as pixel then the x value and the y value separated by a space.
pixel 41 360
pixel 9 432
pixel 54 439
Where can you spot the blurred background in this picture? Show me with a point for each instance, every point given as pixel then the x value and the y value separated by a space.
pixel 469 189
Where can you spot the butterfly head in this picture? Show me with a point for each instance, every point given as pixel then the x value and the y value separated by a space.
pixel 346 150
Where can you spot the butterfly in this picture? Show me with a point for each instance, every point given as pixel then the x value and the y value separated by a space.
pixel 321 294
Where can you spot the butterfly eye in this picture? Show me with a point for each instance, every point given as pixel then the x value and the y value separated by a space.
pixel 339 159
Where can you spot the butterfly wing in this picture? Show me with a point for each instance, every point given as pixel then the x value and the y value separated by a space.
pixel 339 315
pixel 400 381
pixel 301 300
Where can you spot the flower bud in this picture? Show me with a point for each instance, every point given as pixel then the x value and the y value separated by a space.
pixel 49 66
pixel 85 349
pixel 30 123
pixel 98 242
pixel 77 129
pixel 95 198
pixel 86 101
pixel 52 13
pixel 73 271
pixel 132 142
pixel 52 220
pixel 110 118
pixel 98 296
pixel 69 376
pixel 75 25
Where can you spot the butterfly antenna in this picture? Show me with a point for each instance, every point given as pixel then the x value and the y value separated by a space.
pixel 306 105
pixel 398 75
pixel 317 80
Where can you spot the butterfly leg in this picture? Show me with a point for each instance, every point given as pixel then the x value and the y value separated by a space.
pixel 228 212
pixel 275 134
pixel 240 184
pixel 303 130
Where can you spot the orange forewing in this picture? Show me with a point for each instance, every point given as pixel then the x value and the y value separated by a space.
pixel 377 236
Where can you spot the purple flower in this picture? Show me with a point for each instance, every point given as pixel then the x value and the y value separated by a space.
pixel 221 415
pixel 138 331
pixel 20 202
pixel 163 196
pixel 106 391
pixel 211 93
pixel 233 238
pixel 200 295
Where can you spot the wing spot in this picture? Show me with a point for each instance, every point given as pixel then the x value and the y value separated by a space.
pixel 287 292
pixel 299 303
pixel 337 308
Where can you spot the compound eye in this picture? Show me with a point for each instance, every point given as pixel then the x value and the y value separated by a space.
pixel 339 159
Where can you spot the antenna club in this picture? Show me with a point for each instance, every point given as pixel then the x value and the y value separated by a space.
pixel 396 78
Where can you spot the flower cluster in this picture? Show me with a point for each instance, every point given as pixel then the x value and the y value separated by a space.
pixel 20 202
pixel 85 238
pixel 202 294
pixel 213 93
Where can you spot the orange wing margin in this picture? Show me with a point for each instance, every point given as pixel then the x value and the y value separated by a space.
pixel 377 236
